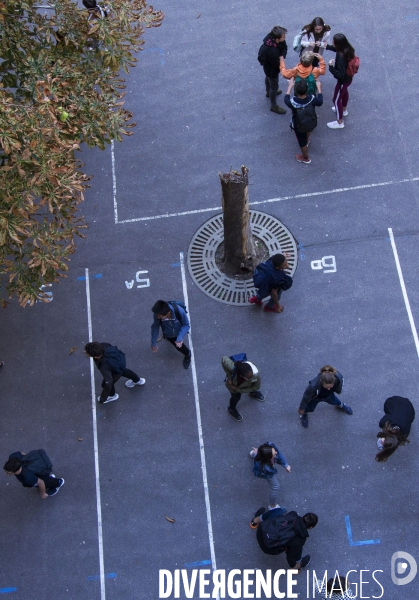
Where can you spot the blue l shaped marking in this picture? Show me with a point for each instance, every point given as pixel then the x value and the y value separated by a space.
pixel 350 538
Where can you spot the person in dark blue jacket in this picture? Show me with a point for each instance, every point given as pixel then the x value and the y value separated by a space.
pixel 174 322
pixel 395 424
pixel 265 458
pixel 271 280
pixel 274 46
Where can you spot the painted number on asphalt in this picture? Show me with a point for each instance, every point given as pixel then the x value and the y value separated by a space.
pixel 143 282
pixel 327 263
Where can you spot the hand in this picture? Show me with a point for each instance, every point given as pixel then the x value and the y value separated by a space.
pixel 288 469
pixel 44 496
pixel 178 344
pixel 154 348
pixel 317 54
pixel 332 62
pixel 319 87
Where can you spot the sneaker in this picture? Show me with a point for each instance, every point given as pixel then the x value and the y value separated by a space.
pixel 346 409
pixel 255 300
pixel 278 109
pixel 300 158
pixel 235 414
pixel 304 420
pixel 278 92
pixel 305 561
pixel 53 492
pixel 345 112
pixel 336 125
pixel 273 507
pixel 257 396
pixel 187 361
pixel 274 309
pixel 108 399
pixel 252 453
pixel 259 512
pixel 130 383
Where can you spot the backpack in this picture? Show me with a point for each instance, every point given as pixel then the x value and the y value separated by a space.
pixel 278 531
pixel 175 304
pixel 263 55
pixel 353 66
pixel 115 358
pixel 236 357
pixel 38 462
pixel 305 118
pixel 296 44
pixel 311 83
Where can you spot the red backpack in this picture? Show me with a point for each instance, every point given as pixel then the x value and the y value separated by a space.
pixel 353 66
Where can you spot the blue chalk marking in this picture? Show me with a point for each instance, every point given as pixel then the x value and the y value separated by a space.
pixel 160 50
pixel 302 252
pixel 198 564
pixel 350 538
pixel 96 577
pixel 175 265
pixel 83 278
pixel 7 590
pixel 412 18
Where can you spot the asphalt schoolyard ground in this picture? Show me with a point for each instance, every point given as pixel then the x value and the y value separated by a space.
pixel 199 103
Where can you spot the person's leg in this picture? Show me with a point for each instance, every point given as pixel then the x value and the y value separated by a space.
pixel 112 391
pixel 273 83
pixel 268 87
pixel 234 399
pixel 302 139
pixel 273 491
pixel 345 96
pixel 274 299
pixel 309 407
pixel 130 375
pixel 183 349
pixel 333 400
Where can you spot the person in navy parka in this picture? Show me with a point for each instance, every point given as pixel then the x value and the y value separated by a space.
pixel 271 280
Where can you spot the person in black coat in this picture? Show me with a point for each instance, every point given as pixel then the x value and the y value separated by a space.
pixel 322 389
pixel 274 46
pixel 395 424
pixel 338 67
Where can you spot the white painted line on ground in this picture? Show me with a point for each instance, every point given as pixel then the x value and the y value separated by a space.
pixel 115 205
pixel 199 423
pixel 365 186
pixel 96 447
pixel 404 292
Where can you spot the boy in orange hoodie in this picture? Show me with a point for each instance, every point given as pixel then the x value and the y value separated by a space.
pixel 304 68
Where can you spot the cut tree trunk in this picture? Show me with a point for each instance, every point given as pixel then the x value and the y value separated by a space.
pixel 239 249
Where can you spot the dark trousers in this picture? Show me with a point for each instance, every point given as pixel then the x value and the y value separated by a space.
pixel 234 399
pixel 115 376
pixel 183 349
pixel 51 483
pixel 271 84
pixel 332 399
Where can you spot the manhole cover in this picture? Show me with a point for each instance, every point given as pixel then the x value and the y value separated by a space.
pixel 203 247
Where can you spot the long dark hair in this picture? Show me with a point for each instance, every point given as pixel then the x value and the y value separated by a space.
pixel 316 23
pixel 343 47
pixel 264 455
pixel 393 438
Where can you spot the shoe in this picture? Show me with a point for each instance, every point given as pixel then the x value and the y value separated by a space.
pixel 108 399
pixel 255 300
pixel 345 112
pixel 336 125
pixel 2 361
pixel 304 420
pixel 257 396
pixel 235 414
pixel 259 512
pixel 130 383
pixel 187 361
pixel 62 482
pixel 278 92
pixel 275 309
pixel 252 453
pixel 278 109
pixel 300 158
pixel 346 409
pixel 273 507
pixel 305 561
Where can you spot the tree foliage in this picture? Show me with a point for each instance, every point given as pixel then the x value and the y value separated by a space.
pixel 60 86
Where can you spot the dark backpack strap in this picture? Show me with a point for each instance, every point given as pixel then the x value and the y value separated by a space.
pixel 176 311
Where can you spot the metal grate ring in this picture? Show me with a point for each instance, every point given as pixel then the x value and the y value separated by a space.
pixel 205 272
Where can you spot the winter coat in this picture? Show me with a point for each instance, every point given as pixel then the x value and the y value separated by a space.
pixel 296 102
pixel 247 386
pixel 339 70
pixel 315 385
pixel 308 42
pixel 399 412
pixel 295 545
pixel 267 471
pixel 271 68
pixel 172 327
pixel 302 71
pixel 266 278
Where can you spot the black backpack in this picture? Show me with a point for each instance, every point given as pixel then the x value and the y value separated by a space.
pixel 38 462
pixel 263 54
pixel 305 118
pixel 115 358
pixel 278 531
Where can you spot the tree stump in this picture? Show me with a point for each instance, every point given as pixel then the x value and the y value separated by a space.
pixel 239 248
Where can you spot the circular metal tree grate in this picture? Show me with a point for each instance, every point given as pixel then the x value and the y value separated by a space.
pixel 203 247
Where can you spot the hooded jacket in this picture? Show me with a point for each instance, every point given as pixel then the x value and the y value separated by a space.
pixel 308 42
pixel 315 385
pixel 275 51
pixel 267 471
pixel 294 547
pixel 399 412
pixel 171 327
pixel 339 70
pixel 247 386
pixel 302 71
pixel 267 277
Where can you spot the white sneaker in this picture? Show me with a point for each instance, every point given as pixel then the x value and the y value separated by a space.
pixel 109 399
pixel 273 507
pixel 252 453
pixel 130 383
pixel 336 125
pixel 345 112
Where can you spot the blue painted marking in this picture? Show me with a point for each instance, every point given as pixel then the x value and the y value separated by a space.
pixel 302 252
pixel 160 50
pixel 350 538
pixel 199 563
pixel 412 18
pixel 175 265
pixel 96 577
pixel 7 590
pixel 83 278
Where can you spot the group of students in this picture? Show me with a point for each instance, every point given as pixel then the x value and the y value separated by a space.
pixel 310 43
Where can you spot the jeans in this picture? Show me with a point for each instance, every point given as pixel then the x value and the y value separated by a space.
pixel 273 490
pixel 332 399
pixel 183 349
pixel 341 98
pixel 234 399
pixel 51 483
pixel 271 303
pixel 271 84
pixel 115 376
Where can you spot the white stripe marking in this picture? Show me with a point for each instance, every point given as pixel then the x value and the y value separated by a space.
pixel 115 205
pixel 96 448
pixel 365 186
pixel 198 419
pixel 404 292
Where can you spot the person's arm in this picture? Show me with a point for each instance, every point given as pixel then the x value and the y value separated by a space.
pixel 255 385
pixel 281 460
pixel 287 97
pixel 155 328
pixel 309 394
pixel 184 326
pixel 306 42
pixel 42 490
pixel 287 73
pixel 338 70
pixel 318 100
pixel 330 47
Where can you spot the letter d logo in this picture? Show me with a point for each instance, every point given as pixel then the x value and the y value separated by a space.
pixel 401 568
